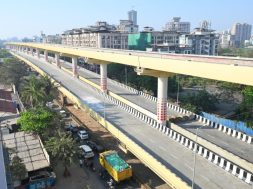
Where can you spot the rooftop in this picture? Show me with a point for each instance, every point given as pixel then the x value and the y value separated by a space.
pixel 29 148
pixel 7 106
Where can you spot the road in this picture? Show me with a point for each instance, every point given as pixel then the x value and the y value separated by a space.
pixel 173 155
pixel 212 135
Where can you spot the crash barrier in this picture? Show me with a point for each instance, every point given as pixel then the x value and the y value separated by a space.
pixel 244 173
pixel 244 135
pixel 236 125
pixel 231 132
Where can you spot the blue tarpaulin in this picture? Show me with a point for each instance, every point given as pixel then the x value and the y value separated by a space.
pixel 236 125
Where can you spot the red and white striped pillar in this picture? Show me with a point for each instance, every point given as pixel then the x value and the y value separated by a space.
pixel 103 77
pixel 38 53
pixel 57 59
pixel 74 66
pixel 162 100
pixel 46 55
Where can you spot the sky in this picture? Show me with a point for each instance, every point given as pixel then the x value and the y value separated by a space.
pixel 26 18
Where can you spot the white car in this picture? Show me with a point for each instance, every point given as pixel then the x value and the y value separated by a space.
pixel 82 134
pixel 87 151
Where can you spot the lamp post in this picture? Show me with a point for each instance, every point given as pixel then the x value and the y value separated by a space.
pixel 177 88
pixel 104 107
pixel 195 153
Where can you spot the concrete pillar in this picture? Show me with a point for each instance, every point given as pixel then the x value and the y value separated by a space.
pixel 103 75
pixel 46 55
pixel 57 59
pixel 162 100
pixel 74 66
pixel 38 53
pixel 31 49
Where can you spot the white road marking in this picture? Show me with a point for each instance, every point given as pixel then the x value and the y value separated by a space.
pixel 175 157
pixel 188 166
pixel 162 148
pixel 205 178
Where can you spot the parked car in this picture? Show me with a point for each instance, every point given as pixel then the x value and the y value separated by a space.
pixel 87 151
pixel 71 127
pixel 94 146
pixel 82 134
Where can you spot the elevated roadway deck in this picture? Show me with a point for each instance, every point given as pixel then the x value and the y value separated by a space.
pixel 233 145
pixel 236 70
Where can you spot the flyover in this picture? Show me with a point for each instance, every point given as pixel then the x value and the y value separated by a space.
pixel 134 129
pixel 213 135
pixel 160 65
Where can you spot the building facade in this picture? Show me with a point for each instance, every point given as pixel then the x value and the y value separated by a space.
pixel 127 26
pixel 201 41
pixel 157 40
pixel 55 39
pixel 102 35
pixel 241 32
pixel 132 16
pixel 226 39
pixel 176 26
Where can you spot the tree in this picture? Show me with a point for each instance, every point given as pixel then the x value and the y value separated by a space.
pixel 32 92
pixel 37 120
pixel 17 168
pixel 37 91
pixel 202 100
pixel 245 111
pixel 4 53
pixel 12 71
pixel 49 88
pixel 62 147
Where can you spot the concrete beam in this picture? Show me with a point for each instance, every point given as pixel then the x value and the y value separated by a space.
pixel 154 73
pixel 96 61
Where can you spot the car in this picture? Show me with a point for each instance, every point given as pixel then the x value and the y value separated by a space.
pixel 71 127
pixel 87 151
pixel 94 146
pixel 82 134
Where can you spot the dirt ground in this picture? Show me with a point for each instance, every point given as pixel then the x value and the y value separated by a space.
pixel 80 178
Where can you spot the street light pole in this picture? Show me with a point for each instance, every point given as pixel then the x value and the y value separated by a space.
pixel 195 154
pixel 177 88
pixel 104 107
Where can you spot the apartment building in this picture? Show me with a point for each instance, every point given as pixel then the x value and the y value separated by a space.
pixel 177 26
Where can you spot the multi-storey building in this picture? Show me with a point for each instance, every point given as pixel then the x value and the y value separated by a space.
pixel 56 39
pixel 202 41
pixel 176 26
pixel 241 32
pixel 226 39
pixel 132 16
pixel 157 40
pixel 127 26
pixel 102 35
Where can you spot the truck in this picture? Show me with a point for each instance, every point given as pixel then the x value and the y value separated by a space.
pixel 115 165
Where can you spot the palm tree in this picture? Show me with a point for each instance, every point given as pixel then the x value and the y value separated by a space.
pixel 32 92
pixel 62 147
pixel 49 86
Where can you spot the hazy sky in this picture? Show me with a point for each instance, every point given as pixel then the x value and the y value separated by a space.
pixel 28 17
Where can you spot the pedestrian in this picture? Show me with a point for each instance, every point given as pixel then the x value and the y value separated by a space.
pixel 81 162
